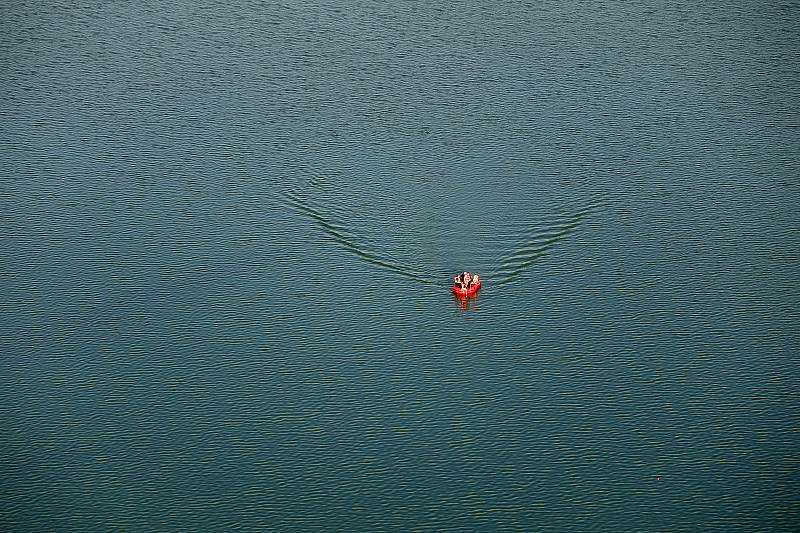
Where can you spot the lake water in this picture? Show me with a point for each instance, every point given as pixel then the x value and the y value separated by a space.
pixel 230 229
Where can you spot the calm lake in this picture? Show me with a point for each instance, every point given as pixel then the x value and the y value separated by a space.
pixel 230 231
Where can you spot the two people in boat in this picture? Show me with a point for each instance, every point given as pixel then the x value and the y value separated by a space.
pixel 465 280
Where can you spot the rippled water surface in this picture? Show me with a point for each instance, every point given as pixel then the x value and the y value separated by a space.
pixel 230 231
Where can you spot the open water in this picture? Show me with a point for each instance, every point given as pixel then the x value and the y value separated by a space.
pixel 229 230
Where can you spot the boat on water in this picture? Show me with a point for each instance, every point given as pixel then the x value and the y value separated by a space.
pixel 465 286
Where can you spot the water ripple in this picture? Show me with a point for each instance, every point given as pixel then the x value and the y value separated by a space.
pixel 536 240
pixel 327 215
pixel 513 253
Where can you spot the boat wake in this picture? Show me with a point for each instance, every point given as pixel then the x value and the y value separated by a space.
pixel 529 242
pixel 535 241
pixel 332 219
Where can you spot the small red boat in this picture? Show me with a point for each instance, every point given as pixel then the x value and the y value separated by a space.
pixel 465 292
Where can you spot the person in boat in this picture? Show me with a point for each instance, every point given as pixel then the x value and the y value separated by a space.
pixel 475 279
pixel 457 281
pixel 467 279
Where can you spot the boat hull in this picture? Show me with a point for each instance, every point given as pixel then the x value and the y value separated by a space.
pixel 466 293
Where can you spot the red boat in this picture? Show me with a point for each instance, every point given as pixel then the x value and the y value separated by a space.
pixel 464 292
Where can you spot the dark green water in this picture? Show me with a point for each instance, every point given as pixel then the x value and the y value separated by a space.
pixel 229 231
